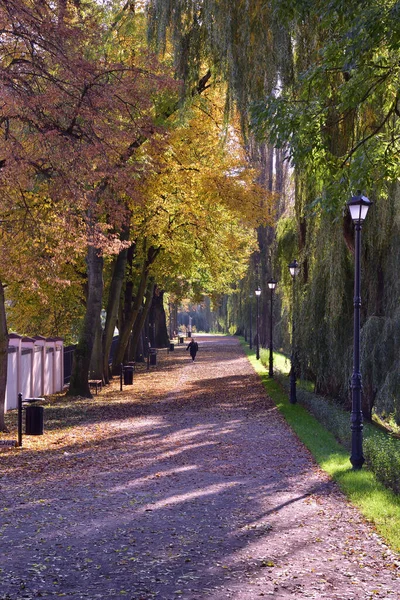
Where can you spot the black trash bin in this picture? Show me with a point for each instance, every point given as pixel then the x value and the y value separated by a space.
pixel 181 340
pixel 34 420
pixel 128 374
pixel 171 347
pixel 153 356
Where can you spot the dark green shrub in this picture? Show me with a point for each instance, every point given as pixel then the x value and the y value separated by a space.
pixel 382 454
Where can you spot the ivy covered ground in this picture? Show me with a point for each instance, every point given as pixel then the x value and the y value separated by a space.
pixel 188 484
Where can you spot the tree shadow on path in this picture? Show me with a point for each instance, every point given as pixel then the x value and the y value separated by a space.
pixel 203 492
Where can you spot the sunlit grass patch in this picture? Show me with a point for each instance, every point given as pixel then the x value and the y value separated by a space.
pixel 281 361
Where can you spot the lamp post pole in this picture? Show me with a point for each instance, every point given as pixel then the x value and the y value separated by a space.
pixel 272 286
pixel 294 269
pixel 251 318
pixel 258 294
pixel 358 206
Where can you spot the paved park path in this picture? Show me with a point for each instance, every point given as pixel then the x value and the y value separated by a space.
pixel 194 489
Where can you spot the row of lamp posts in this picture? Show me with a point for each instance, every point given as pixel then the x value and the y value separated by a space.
pixel 358 207
pixel 272 285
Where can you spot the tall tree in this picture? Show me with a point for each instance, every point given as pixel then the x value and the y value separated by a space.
pixel 320 83
pixel 72 119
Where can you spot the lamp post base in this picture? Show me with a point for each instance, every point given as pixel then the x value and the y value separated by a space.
pixel 357 457
pixel 357 463
pixel 271 363
pixel 292 397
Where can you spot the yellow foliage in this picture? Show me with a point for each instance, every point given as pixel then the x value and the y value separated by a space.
pixel 203 201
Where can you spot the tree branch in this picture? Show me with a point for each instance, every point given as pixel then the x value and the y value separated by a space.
pixel 371 135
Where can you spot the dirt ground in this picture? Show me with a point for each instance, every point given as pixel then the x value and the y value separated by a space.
pixel 188 484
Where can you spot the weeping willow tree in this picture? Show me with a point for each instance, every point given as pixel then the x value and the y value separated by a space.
pixel 318 85
pixel 339 119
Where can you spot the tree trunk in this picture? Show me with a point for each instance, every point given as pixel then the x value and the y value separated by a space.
pixel 139 355
pixel 140 323
pixel 145 334
pixel 127 298
pixel 126 329
pixel 79 385
pixel 114 297
pixel 3 357
pixel 159 320
pixel 96 360
pixel 367 404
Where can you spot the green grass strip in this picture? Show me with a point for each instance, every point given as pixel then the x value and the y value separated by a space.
pixel 378 504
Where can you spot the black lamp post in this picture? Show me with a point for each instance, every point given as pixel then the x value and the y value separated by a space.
pixel 272 286
pixel 258 294
pixel 358 206
pixel 294 269
pixel 251 318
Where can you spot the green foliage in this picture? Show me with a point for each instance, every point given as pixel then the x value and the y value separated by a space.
pixel 338 114
pixel 281 361
pixel 54 310
pixel 334 419
pixel 381 363
pixel 286 237
pixel 380 336
pixel 324 303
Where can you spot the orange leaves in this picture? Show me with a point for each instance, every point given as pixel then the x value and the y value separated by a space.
pixel 74 116
pixel 71 121
pixel 202 199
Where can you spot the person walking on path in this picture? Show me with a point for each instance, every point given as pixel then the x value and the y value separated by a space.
pixel 193 348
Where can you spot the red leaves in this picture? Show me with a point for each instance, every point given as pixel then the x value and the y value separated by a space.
pixel 71 117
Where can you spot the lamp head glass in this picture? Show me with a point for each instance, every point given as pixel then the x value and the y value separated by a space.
pixel 294 268
pixel 358 207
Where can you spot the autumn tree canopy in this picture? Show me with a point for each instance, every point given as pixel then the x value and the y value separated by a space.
pixel 71 119
pixel 103 163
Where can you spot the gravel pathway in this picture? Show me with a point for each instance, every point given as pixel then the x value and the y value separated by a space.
pixel 198 490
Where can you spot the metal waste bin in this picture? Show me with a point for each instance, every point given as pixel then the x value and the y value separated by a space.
pixel 153 356
pixel 181 340
pixel 128 374
pixel 171 347
pixel 34 420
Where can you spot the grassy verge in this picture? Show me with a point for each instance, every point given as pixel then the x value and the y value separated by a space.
pixel 378 504
pixel 282 364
